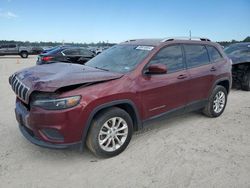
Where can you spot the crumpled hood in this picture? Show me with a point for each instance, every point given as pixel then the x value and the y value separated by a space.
pixel 51 77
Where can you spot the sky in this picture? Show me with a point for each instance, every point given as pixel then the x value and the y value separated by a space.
pixel 119 20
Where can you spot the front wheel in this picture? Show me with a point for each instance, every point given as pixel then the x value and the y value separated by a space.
pixel 110 132
pixel 217 102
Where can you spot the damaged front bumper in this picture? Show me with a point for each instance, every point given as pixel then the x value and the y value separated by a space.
pixel 29 135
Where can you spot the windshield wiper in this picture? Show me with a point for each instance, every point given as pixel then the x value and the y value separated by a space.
pixel 101 68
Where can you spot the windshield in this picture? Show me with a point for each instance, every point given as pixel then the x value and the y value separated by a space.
pixel 230 49
pixel 54 51
pixel 237 48
pixel 120 58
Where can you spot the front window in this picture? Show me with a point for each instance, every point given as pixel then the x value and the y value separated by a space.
pixel 170 56
pixel 120 58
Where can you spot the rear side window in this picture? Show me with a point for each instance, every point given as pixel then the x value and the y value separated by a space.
pixel 171 56
pixel 85 53
pixel 12 46
pixel 213 53
pixel 196 55
pixel 71 52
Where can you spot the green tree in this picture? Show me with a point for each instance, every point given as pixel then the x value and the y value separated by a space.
pixel 247 39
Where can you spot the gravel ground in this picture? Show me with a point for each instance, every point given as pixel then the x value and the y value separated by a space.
pixel 185 151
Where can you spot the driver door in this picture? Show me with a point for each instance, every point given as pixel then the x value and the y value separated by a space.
pixel 165 92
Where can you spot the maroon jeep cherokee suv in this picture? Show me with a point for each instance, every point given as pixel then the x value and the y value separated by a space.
pixel 102 102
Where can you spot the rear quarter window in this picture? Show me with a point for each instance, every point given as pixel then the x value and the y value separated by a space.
pixel 196 55
pixel 214 53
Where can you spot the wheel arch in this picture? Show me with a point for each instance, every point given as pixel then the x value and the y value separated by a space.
pixel 225 82
pixel 23 51
pixel 125 104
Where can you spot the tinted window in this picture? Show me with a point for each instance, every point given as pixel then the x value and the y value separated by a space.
pixel 71 52
pixel 171 56
pixel 86 53
pixel 12 46
pixel 120 58
pixel 196 55
pixel 214 54
pixel 4 46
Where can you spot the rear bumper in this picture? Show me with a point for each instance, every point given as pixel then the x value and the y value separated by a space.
pixel 33 139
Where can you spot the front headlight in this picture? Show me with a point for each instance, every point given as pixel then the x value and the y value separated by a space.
pixel 57 103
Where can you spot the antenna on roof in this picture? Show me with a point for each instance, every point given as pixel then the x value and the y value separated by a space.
pixel 190 34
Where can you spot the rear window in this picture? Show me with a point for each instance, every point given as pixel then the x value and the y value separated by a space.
pixel 196 55
pixel 55 51
pixel 213 53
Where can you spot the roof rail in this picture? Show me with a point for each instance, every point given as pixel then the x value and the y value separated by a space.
pixel 185 38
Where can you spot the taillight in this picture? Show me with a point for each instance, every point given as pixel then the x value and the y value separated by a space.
pixel 47 58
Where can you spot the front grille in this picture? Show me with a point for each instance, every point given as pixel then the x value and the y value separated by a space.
pixel 19 88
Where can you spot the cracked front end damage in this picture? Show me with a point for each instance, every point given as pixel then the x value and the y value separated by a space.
pixel 52 77
pixel 46 112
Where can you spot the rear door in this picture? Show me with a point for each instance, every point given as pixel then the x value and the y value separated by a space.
pixel 201 72
pixel 217 61
pixel 12 49
pixel 164 92
pixel 70 55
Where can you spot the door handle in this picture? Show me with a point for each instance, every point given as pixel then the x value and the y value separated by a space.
pixel 182 76
pixel 213 69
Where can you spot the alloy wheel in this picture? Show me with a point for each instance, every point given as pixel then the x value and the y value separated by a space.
pixel 219 102
pixel 113 134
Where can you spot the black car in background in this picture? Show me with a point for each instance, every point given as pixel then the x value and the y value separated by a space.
pixel 239 53
pixel 65 54
pixel 36 50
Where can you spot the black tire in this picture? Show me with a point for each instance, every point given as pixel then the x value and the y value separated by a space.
pixel 246 81
pixel 24 54
pixel 97 125
pixel 209 108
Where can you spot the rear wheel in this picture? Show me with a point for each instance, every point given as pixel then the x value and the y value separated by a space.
pixel 24 54
pixel 217 102
pixel 246 81
pixel 110 132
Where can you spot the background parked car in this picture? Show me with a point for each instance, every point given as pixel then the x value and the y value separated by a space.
pixel 66 54
pixel 36 50
pixel 14 49
pixel 239 53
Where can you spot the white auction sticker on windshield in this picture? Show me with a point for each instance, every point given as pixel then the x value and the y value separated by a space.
pixel 148 48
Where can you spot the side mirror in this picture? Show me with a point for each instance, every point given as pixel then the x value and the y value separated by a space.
pixel 156 69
